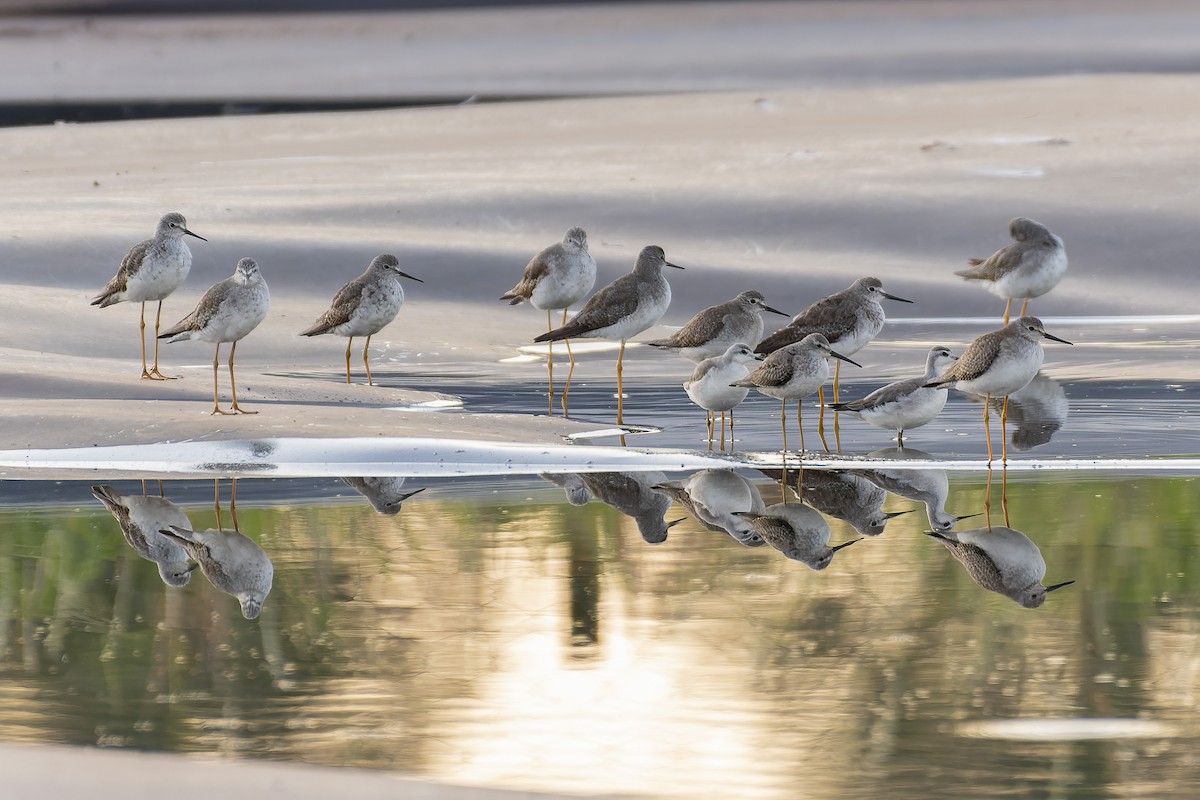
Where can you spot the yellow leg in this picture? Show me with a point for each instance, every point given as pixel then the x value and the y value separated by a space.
pixel 1025 307
pixel 550 362
pixel 800 423
pixel 349 342
pixel 1004 491
pixel 216 404
pixel 837 376
pixel 620 385
pixel 722 429
pixel 217 501
pixel 367 363
pixel 783 425
pixel 233 503
pixel 154 373
pixel 731 430
pixel 1004 432
pixel 571 371
pixel 987 427
pixel 233 386
pixel 708 418
pixel 1007 308
pixel 142 334
pixel 162 490
pixel 987 498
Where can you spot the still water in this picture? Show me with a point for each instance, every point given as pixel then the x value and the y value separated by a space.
pixel 555 634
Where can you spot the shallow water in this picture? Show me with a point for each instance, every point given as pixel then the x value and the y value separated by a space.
pixel 492 633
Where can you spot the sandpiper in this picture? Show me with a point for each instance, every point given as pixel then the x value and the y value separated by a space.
pixel 715 496
pixel 151 271
pixel 231 561
pixel 1029 267
pixel 623 308
pixel 633 494
pixel 850 320
pixel 141 518
pixel 711 332
pixel 227 312
pixel 928 486
pixel 906 404
pixel 710 386
pixel 797 531
pixel 793 373
pixel 1001 560
pixel 364 306
pixel 557 277
pixel 843 495
pixel 999 363
pixel 386 494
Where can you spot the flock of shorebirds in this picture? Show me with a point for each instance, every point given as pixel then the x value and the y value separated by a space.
pixel 724 341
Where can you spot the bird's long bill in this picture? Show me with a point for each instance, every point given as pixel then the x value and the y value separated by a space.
pixel 843 358
pixel 775 311
pixel 747 515
pixel 410 277
pixel 1055 338
pixel 759 356
pixel 669 264
pixel 675 522
pixel 1050 589
pixel 895 514
pixel 847 544
pixel 893 297
pixel 198 236
pixel 967 516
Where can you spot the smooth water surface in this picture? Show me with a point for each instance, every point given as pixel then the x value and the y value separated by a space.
pixel 492 633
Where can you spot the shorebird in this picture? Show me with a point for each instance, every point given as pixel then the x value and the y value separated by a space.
pixel 906 404
pixel 715 497
pixel 141 518
pixel 928 486
pixel 364 306
pixel 1029 267
pixel 710 386
pixel 999 363
pixel 631 493
pixel 1037 412
pixel 231 561
pixel 843 495
pixel 715 329
pixel 557 277
pixel 227 312
pixel 623 308
pixel 849 319
pixel 385 494
pixel 797 531
pixel 1001 560
pixel 793 373
pixel 151 271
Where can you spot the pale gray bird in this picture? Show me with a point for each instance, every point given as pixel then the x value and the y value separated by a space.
pixel 845 496
pixel 999 363
pixel 1029 267
pixel 632 494
pixel 1001 560
pixel 717 328
pixel 849 320
pixel 622 309
pixel 151 271
pixel 141 518
pixel 232 562
pixel 797 531
pixel 227 312
pixel 714 497
pixel 793 373
pixel 711 385
pixel 364 306
pixel 386 494
pixel 927 486
pixel 905 404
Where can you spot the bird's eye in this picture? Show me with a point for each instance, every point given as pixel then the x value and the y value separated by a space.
pixel 1032 328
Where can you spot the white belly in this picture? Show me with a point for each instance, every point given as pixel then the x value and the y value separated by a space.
pixel 911 411
pixel 713 392
pixel 566 285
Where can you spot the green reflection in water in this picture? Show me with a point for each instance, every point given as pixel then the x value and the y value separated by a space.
pixel 510 639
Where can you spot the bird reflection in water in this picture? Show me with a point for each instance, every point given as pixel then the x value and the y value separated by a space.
pixel 1036 412
pixel 141 518
pixel 631 493
pixel 385 494
pixel 797 531
pixel 714 497
pixel 1001 560
pixel 231 561
pixel 843 495
pixel 928 486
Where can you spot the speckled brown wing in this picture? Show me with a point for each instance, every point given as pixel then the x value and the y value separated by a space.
pixel 974 361
pixel 981 568
pixel 775 371
pixel 701 328
pixel 997 265
pixel 130 264
pixel 606 307
pixel 537 268
pixel 343 305
pixel 833 316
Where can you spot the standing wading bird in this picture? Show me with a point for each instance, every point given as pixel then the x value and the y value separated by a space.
pixel 793 373
pixel 151 271
pixel 623 308
pixel 711 385
pixel 1001 560
pixel 1029 267
pixel 999 363
pixel 715 329
pixel 557 277
pixel 906 404
pixel 227 312
pixel 364 306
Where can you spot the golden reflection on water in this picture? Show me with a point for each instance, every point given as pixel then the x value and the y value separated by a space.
pixel 531 644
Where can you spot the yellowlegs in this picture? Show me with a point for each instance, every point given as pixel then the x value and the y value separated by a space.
pixel 711 385
pixel 1029 267
pixel 999 363
pixel 227 312
pixel 797 531
pixel 623 308
pixel 1002 560
pixel 906 404
pixel 232 562
pixel 141 518
pixel 364 306
pixel 151 271
pixel 711 332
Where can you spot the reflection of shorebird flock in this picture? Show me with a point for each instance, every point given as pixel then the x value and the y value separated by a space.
pixel 721 340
